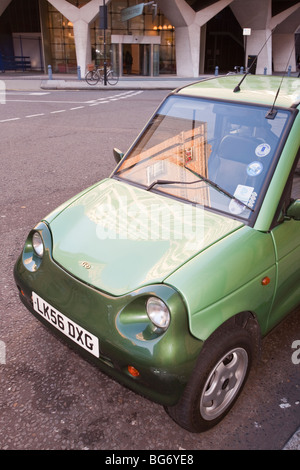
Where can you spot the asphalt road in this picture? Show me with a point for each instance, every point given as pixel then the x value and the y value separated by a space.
pixel 53 145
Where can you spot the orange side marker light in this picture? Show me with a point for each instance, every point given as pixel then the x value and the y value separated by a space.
pixel 133 371
pixel 265 281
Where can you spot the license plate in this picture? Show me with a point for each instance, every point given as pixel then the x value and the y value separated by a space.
pixel 72 330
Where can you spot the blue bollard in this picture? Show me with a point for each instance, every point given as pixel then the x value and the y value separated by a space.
pixel 289 70
pixel 242 70
pixel 49 72
pixel 265 71
pixel 78 72
pixel 216 71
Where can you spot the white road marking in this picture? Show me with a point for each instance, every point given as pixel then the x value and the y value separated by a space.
pixel 38 93
pixel 35 115
pixel 27 93
pixel 44 101
pixel 108 99
pixel 11 119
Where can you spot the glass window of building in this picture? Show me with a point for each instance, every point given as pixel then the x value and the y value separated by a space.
pixel 61 42
pixel 142 45
pixel 135 51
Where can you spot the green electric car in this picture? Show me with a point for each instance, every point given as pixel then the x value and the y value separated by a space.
pixel 168 273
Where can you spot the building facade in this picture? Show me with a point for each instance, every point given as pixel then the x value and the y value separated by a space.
pixel 183 37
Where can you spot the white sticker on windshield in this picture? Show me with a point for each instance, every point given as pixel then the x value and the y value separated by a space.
pixel 262 150
pixel 254 168
pixel 154 171
pixel 242 193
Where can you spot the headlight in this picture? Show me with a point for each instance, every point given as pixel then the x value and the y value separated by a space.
pixel 37 244
pixel 158 312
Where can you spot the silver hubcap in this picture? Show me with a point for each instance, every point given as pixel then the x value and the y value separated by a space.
pixel 223 383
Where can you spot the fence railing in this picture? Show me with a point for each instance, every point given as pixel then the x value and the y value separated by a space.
pixel 15 63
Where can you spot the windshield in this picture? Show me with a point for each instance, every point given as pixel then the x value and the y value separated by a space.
pixel 211 153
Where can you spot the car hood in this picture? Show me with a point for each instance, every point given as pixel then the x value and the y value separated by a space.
pixel 117 237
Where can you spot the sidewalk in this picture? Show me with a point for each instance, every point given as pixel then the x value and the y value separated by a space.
pixel 19 81
pixel 34 82
pixel 39 82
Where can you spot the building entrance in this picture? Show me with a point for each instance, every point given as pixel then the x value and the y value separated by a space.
pixel 136 59
pixel 136 55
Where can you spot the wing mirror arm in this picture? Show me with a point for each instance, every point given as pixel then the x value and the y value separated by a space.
pixel 293 211
pixel 118 155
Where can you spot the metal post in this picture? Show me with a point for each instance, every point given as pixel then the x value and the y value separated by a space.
pixel 78 72
pixel 49 72
pixel 103 25
pixel 216 71
pixel 105 68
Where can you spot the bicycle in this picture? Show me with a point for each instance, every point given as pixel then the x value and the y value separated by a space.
pixel 92 77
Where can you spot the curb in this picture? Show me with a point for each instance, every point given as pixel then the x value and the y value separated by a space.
pixel 121 85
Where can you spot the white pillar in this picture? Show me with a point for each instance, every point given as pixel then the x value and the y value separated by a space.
pixel 188 25
pixel 260 42
pixel 188 50
pixel 257 15
pixel 283 56
pixel 82 43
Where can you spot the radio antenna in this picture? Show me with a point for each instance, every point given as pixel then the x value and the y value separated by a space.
pixel 272 113
pixel 238 87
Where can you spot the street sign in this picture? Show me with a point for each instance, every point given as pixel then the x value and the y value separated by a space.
pixel 103 17
pixel 131 12
pixel 136 10
pixel 247 32
pixel 154 12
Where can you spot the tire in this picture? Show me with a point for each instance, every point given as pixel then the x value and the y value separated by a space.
pixel 92 78
pixel 112 77
pixel 218 378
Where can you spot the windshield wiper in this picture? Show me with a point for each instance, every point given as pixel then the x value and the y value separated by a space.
pixel 154 183
pixel 218 188
pixel 202 178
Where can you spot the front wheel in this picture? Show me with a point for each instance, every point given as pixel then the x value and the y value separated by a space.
pixel 218 378
pixel 92 77
pixel 112 77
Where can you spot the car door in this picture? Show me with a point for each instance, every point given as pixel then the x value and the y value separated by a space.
pixel 286 238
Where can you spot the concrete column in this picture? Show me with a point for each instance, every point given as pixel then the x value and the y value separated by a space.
pixel 188 24
pixel 82 44
pixel 260 42
pixel 286 25
pixel 265 30
pixel 188 50
pixel 283 56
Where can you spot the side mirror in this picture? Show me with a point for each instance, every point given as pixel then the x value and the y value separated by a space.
pixel 294 210
pixel 118 155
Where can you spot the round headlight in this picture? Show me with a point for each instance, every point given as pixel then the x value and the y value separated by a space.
pixel 37 244
pixel 158 312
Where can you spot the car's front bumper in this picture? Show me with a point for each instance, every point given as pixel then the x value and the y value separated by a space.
pixel 163 359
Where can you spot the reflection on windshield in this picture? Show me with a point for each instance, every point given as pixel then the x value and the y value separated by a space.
pixel 192 143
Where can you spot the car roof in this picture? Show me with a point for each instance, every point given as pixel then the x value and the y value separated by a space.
pixel 260 89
